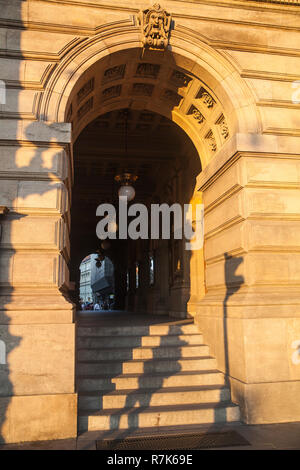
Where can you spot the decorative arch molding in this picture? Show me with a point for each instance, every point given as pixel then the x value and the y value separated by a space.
pixel 190 53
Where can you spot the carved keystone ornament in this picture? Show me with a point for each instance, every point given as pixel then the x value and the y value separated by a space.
pixel 155 24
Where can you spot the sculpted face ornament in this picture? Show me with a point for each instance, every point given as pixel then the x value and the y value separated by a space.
pixel 156 24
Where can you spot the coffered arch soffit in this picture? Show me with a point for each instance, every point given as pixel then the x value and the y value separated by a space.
pixel 191 83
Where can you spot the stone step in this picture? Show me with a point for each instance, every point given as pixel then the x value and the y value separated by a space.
pixel 137 341
pixel 147 366
pixel 162 431
pixel 172 415
pixel 123 354
pixel 152 397
pixel 142 381
pixel 138 330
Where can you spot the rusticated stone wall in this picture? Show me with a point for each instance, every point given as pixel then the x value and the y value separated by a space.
pixel 245 56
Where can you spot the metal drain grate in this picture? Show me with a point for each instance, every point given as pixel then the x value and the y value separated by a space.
pixel 176 442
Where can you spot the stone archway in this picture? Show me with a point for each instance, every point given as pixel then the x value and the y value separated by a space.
pixel 108 72
pixel 251 257
pixel 190 53
pixel 237 281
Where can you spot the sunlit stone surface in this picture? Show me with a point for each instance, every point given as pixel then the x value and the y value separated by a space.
pixel 214 120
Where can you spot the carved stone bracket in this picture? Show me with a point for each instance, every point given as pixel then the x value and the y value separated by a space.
pixel 114 73
pixel 180 79
pixel 85 108
pixel 155 26
pixel 111 92
pixel 223 127
pixel 147 70
pixel 142 89
pixel 197 115
pixel 211 141
pixel 206 98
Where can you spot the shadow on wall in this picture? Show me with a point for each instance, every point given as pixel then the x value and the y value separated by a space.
pixel 27 174
pixel 233 284
pixel 8 340
pixel 37 181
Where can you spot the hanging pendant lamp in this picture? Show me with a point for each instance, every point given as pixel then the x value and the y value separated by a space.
pixel 126 179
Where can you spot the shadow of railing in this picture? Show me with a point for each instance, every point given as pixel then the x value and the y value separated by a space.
pixel 145 382
pixel 233 283
pixel 151 382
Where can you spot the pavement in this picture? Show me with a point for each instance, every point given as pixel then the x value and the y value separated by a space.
pixel 283 436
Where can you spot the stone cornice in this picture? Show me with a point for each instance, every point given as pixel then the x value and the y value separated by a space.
pixel 37 144
pixel 247 4
pixel 236 46
pixel 48 57
pixel 191 36
pixel 274 5
pixel 278 104
pixel 280 77
pixel 83 30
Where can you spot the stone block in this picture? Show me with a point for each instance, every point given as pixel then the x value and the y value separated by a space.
pixel 42 195
pixel 38 418
pixel 40 161
pixel 41 43
pixel 272 171
pixel 275 202
pixel 19 102
pixel 267 402
pixel 229 211
pixel 264 62
pixel 273 235
pixel 35 131
pixel 8 193
pixel 33 354
pixel 34 232
pixel 225 183
pixel 269 352
pixel 273 268
pixel 39 269
pixel 227 240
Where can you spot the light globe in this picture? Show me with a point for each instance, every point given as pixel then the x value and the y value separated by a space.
pixel 127 191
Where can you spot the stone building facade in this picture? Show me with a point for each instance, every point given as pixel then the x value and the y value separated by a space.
pixel 86 293
pixel 213 90
pixel 102 280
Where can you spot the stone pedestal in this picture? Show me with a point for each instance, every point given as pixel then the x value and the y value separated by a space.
pixel 37 385
pixel 250 315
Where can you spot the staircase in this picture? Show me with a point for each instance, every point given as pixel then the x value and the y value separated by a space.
pixel 145 376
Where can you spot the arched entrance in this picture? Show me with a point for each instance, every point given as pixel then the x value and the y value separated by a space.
pixel 248 192
pixel 167 165
pixel 175 125
pixel 185 126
